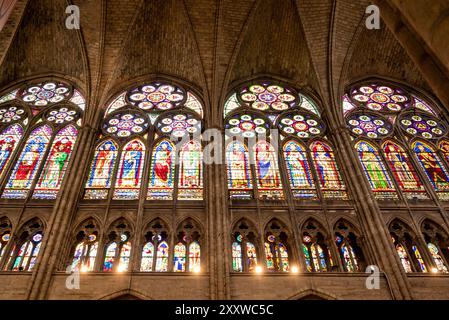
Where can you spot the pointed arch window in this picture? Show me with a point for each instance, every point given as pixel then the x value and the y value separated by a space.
pixel 155 249
pixel 276 248
pixel 375 171
pixel 239 171
pixel 403 171
pixel 269 185
pixel 190 186
pixel 56 164
pixel 437 244
pixel 129 173
pixel 187 253
pixel 5 234
pixel 85 252
pixel 162 171
pixel 331 182
pixel 433 167
pixel 101 170
pixel 9 140
pixel 26 167
pixel 316 252
pixel 117 251
pixel 244 247
pixel 351 255
pixel 298 171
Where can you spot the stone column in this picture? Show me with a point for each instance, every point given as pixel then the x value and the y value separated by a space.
pixel 63 210
pixel 372 223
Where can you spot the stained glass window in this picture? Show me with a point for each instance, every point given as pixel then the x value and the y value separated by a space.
pixel 314 255
pixel 125 254
pixel 420 104
pixel 129 172
pixel 146 263
pixel 26 167
pixel 404 258
pixel 190 186
pixel 11 113
pixel 251 256
pixel 56 164
pixel 4 239
pixel 347 254
pixel 437 259
pixel 194 256
pixel 303 125
pixel 180 257
pixel 383 98
pixel 419 258
pixel 125 124
pixel 403 171
pixel 101 171
pixel 369 125
pixel 111 252
pixel 276 255
pixel 269 185
pixel 421 125
pixel 247 125
pixel 85 254
pixel 27 255
pixel 237 264
pixel 9 139
pixel 444 147
pixel 162 257
pixel 43 94
pixel 157 96
pixel 332 185
pixel 375 171
pixel 239 171
pixel 162 172
pixel 298 170
pixel 433 167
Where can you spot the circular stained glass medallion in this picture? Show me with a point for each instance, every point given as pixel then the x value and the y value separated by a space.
pixel 62 115
pixel 178 124
pixel 6 237
pixel 125 123
pixel 37 237
pixel 267 96
pixel 43 94
pixel 382 98
pixel 301 124
pixel 369 125
pixel 157 96
pixel 422 125
pixel 12 113
pixel 247 125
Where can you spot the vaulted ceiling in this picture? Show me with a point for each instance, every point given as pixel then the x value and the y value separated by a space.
pixel 212 45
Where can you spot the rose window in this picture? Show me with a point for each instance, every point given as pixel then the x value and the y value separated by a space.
pixel 9 114
pixel 157 96
pixel 421 125
pixel 43 94
pixel 247 125
pixel 302 125
pixel 268 97
pixel 178 124
pixel 369 125
pixel 381 98
pixel 125 124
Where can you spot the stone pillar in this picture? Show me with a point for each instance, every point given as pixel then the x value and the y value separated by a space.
pixel 63 210
pixel 373 226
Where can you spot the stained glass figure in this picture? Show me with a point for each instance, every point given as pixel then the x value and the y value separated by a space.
pixel 180 258
pixel 375 171
pixel 444 148
pixel 386 99
pixel 9 139
pixel 419 258
pixel 237 259
pixel 432 166
pixel 194 256
pixel 85 254
pixel 369 125
pixel 125 255
pixel 267 96
pixel 111 252
pixel 125 124
pixel 331 182
pixel 403 171
pixel 298 170
pixel 42 94
pixel 28 163
pixel 269 258
pixel 162 172
pixel 146 263
pixel 302 125
pixel 162 257
pixel 421 125
pixel 247 125
pixel 101 170
pixel 349 260
pixel 190 181
pixel 129 173
pixel 179 124
pixel 437 259
pixel 276 255
pixel 56 164
pixel 239 171
pixel 11 113
pixel 404 258
pixel 269 184
pixel 251 256
pixel 62 115
pixel 27 254
pixel 157 96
